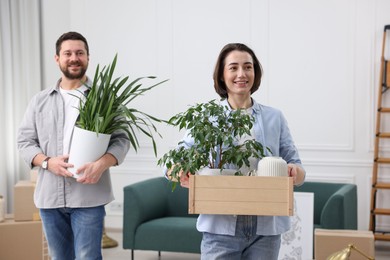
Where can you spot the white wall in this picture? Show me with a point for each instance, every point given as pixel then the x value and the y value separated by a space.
pixel 321 61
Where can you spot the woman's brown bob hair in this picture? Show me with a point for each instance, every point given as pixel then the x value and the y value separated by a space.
pixel 219 84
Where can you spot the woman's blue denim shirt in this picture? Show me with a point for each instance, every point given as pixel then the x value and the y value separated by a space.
pixel 272 131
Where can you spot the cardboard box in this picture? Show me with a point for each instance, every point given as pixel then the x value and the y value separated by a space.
pixel 24 207
pixel 22 240
pixel 241 195
pixel 328 241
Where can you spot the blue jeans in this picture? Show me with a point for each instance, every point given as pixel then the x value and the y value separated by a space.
pixel 74 233
pixel 244 245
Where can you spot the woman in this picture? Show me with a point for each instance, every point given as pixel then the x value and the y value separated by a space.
pixel 237 75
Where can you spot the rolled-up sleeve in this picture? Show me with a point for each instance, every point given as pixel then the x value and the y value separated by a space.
pixel 119 146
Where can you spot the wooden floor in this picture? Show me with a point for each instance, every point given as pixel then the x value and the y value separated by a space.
pixel 382 251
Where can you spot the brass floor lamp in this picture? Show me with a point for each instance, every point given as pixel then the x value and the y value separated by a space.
pixel 108 242
pixel 346 252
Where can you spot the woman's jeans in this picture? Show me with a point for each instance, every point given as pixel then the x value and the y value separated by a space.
pixel 74 233
pixel 245 245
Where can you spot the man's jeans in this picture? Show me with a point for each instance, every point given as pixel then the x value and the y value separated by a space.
pixel 74 233
pixel 245 245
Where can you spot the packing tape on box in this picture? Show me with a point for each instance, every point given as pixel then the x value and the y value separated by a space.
pixel 36 216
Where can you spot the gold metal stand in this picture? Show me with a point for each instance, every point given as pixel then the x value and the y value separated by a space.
pixel 108 242
pixel 345 253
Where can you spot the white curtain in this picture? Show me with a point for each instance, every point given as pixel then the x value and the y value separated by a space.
pixel 20 78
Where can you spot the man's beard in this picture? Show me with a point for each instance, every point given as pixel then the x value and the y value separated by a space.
pixel 70 75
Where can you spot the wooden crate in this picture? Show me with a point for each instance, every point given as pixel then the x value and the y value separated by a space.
pixel 241 195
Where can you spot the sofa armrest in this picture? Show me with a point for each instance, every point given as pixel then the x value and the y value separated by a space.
pixel 342 203
pixel 143 201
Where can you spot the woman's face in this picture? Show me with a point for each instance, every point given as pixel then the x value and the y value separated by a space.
pixel 238 73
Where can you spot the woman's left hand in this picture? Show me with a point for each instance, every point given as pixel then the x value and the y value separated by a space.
pixel 297 173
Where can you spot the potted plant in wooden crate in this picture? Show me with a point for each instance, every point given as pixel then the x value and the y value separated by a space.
pixel 106 109
pixel 216 131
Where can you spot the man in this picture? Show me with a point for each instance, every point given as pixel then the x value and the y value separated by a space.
pixel 72 210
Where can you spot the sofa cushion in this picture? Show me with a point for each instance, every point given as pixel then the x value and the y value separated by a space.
pixel 164 234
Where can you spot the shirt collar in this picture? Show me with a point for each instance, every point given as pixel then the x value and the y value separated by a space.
pixel 56 88
pixel 256 106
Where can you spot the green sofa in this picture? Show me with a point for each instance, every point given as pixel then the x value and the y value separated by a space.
pixel 155 218
pixel 335 204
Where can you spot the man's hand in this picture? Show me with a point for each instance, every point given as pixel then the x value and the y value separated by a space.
pixel 92 172
pixel 59 166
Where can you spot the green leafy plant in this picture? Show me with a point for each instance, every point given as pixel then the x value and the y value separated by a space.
pixel 216 131
pixel 106 109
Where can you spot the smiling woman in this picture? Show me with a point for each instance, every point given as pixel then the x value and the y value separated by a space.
pixel 235 134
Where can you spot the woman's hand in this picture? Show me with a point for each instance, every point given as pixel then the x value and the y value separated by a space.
pixel 297 173
pixel 184 179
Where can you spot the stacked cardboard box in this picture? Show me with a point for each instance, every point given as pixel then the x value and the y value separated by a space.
pixel 24 207
pixel 22 240
pixel 22 234
pixel 329 241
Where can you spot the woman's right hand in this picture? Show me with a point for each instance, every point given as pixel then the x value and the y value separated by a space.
pixel 184 179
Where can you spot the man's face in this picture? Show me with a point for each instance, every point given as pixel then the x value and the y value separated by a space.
pixel 73 59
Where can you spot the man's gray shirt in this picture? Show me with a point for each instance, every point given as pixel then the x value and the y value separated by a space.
pixel 41 131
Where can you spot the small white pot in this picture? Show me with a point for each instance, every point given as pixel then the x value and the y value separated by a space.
pixel 272 166
pixel 86 146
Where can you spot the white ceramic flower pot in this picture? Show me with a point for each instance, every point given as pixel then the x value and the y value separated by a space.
pixel 86 146
pixel 272 166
